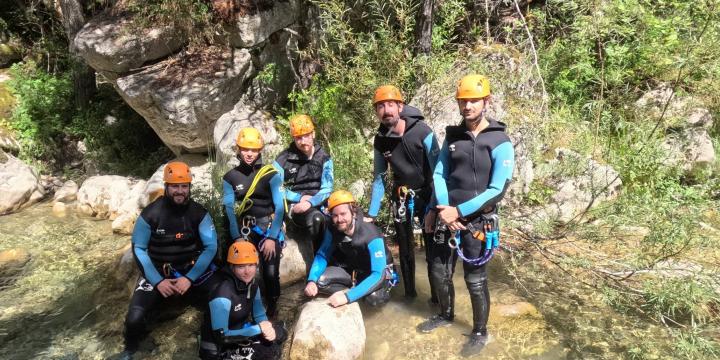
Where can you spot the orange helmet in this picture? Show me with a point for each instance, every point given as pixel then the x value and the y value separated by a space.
pixel 301 125
pixel 387 92
pixel 249 138
pixel 340 197
pixel 242 252
pixel 177 172
pixel 473 87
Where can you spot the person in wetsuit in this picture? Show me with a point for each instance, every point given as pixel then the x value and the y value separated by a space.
pixel 352 256
pixel 235 325
pixel 409 146
pixel 473 171
pixel 174 243
pixel 307 172
pixel 254 206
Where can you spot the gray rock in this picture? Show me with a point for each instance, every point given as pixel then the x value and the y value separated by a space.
pixel 67 193
pixel 296 260
pixel 201 170
pixel 110 196
pixel 251 30
pixel 8 142
pixel 182 98
pixel 690 149
pixel 357 188
pixel 113 45
pixel 324 332
pixel 19 184
pixel 242 115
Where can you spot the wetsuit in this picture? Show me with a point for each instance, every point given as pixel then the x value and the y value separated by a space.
pixel 472 174
pixel 364 254
pixel 230 324
pixel 412 158
pixel 267 211
pixel 306 176
pixel 169 241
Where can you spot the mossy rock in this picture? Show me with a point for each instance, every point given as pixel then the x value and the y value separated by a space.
pixel 8 54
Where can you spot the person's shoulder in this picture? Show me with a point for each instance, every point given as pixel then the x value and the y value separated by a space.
pixel 197 210
pixel 153 209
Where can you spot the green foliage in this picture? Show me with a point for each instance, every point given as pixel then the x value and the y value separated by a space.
pixel 679 299
pixel 192 18
pixel 693 344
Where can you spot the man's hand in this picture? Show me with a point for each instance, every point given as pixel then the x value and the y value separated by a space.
pixel 268 249
pixel 311 289
pixel 267 330
pixel 167 288
pixel 301 207
pixel 338 299
pixel 454 226
pixel 368 219
pixel 182 284
pixel 430 221
pixel 448 214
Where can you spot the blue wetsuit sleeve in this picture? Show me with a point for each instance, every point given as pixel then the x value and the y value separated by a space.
pixel 440 175
pixel 320 261
pixel 140 241
pixel 258 309
pixel 326 184
pixel 229 202
pixel 220 318
pixel 503 157
pixel 431 149
pixel 378 261
pixel 279 203
pixel 378 186
pixel 209 241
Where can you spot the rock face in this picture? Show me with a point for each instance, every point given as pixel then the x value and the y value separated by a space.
pixel 249 30
pixel 112 197
pixel 296 260
pixel 323 332
pixel 19 184
pixel 114 46
pixel 687 142
pixel 229 124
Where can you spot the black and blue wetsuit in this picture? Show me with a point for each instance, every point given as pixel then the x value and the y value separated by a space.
pixel 306 176
pixel 230 325
pixel 267 211
pixel 364 253
pixel 169 241
pixel 472 174
pixel 412 158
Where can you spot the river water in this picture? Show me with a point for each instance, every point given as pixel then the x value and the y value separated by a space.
pixel 67 303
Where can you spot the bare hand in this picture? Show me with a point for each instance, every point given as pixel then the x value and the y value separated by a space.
pixel 430 221
pixel 338 299
pixel 311 289
pixel 267 330
pixel 268 249
pixel 448 214
pixel 301 207
pixel 166 288
pixel 368 219
pixel 454 226
pixel 182 284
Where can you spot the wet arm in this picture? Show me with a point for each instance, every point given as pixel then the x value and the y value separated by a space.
pixel 326 184
pixel 440 175
pixel 229 202
pixel 279 203
pixel 220 317
pixel 320 261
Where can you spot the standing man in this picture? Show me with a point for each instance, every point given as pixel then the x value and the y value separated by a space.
pixel 174 243
pixel 307 171
pixel 473 171
pixel 408 144
pixel 353 256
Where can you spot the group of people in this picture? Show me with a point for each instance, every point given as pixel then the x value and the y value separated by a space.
pixel 452 190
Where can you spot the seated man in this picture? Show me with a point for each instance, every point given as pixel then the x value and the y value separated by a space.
pixel 351 247
pixel 174 243
pixel 307 172
pixel 235 325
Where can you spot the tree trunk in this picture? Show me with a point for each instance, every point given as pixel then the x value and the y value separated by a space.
pixel 423 28
pixel 84 85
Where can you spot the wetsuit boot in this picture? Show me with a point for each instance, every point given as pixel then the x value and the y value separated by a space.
pixel 476 281
pixel 317 228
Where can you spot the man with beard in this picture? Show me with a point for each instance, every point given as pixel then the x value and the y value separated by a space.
pixel 408 144
pixel 473 171
pixel 352 256
pixel 174 243
pixel 307 172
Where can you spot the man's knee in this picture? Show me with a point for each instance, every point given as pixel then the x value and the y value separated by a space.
pixel 378 298
pixel 476 279
pixel 334 279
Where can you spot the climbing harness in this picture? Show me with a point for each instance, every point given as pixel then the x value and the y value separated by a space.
pixel 392 276
pixel 489 231
pixel 405 195
pixel 250 225
pixel 169 270
pixel 246 202
pixel 248 222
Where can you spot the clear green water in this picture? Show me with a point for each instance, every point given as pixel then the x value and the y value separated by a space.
pixel 68 303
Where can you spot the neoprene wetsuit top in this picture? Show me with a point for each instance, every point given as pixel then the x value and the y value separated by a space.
pixel 233 304
pixel 303 176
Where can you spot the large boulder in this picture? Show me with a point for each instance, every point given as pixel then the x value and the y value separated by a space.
pixel 229 124
pixel 19 184
pixel 201 170
pixel 687 122
pixel 324 332
pixel 8 54
pixel 67 192
pixel 181 98
pixel 296 260
pixel 112 197
pixel 115 45
pixel 127 270
pixel 254 24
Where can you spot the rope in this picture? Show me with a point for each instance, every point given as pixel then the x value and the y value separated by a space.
pixel 246 202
